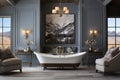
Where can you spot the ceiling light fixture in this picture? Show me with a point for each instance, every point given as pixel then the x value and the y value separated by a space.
pixel 60 10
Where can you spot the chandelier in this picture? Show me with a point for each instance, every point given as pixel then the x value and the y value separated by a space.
pixel 60 10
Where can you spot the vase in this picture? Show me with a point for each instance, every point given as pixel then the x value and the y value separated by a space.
pixel 90 49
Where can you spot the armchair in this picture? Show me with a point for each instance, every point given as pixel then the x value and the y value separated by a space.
pixel 9 62
pixel 109 65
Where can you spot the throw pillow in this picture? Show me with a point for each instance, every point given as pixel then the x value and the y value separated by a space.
pixel 108 54
pixel 115 52
pixel 6 53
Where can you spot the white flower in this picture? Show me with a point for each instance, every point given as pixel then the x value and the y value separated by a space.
pixel 29 42
pixel 91 42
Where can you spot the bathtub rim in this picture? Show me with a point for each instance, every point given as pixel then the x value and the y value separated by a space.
pixel 60 56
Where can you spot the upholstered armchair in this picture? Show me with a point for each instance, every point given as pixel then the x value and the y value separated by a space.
pixel 111 63
pixel 9 62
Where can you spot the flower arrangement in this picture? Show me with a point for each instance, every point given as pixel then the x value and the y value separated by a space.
pixel 29 43
pixel 90 43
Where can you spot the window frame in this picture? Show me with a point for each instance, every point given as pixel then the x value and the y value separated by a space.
pixel 115 27
pixel 6 27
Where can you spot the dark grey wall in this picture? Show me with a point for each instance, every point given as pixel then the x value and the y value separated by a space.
pixel 47 8
pixel 94 16
pixel 88 14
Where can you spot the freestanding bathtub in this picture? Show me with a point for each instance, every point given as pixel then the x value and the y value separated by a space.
pixel 50 60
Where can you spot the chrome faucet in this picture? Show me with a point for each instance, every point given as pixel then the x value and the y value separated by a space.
pixel 60 50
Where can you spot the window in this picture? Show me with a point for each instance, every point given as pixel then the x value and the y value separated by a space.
pixel 113 32
pixel 5 31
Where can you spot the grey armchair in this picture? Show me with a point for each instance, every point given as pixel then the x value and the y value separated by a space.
pixel 9 63
pixel 108 65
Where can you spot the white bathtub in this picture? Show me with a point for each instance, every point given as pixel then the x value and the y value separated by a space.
pixel 49 60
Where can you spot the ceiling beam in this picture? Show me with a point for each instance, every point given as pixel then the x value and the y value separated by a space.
pixel 11 2
pixel 105 2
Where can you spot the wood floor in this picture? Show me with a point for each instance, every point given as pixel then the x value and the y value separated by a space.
pixel 37 73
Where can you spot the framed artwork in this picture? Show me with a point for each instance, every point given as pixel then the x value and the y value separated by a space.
pixel 60 29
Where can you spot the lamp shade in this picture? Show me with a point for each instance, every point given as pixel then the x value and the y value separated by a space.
pixel 91 32
pixel 95 32
pixel 57 8
pixel 65 8
pixel 67 11
pixel 54 11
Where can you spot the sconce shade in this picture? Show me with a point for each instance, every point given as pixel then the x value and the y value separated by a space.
pixel 95 31
pixel 53 11
pixel 57 8
pixel 91 32
pixel 26 33
pixel 65 8
pixel 67 11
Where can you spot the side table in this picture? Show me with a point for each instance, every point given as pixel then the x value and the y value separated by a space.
pixel 92 56
pixel 28 53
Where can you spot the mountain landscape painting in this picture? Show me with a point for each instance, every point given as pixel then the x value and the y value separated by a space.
pixel 60 29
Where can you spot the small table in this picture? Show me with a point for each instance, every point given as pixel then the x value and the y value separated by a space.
pixel 28 53
pixel 92 56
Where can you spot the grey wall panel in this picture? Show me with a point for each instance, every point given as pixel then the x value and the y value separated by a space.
pixel 28 17
pixel 25 20
pixel 93 17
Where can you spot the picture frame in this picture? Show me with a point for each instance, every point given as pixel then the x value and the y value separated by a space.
pixel 60 29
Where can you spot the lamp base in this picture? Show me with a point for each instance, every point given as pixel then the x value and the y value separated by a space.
pixel 90 49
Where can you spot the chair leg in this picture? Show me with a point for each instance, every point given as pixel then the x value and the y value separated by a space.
pixel 96 70
pixel 105 73
pixel 20 70
pixel 44 68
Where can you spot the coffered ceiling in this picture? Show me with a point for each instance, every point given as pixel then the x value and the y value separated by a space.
pixel 115 3
pixel 57 1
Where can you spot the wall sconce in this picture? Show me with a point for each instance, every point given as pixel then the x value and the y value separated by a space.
pixel 93 32
pixel 26 33
pixel 91 42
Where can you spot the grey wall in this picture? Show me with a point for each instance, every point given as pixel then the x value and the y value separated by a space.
pixel 28 14
pixel 46 9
